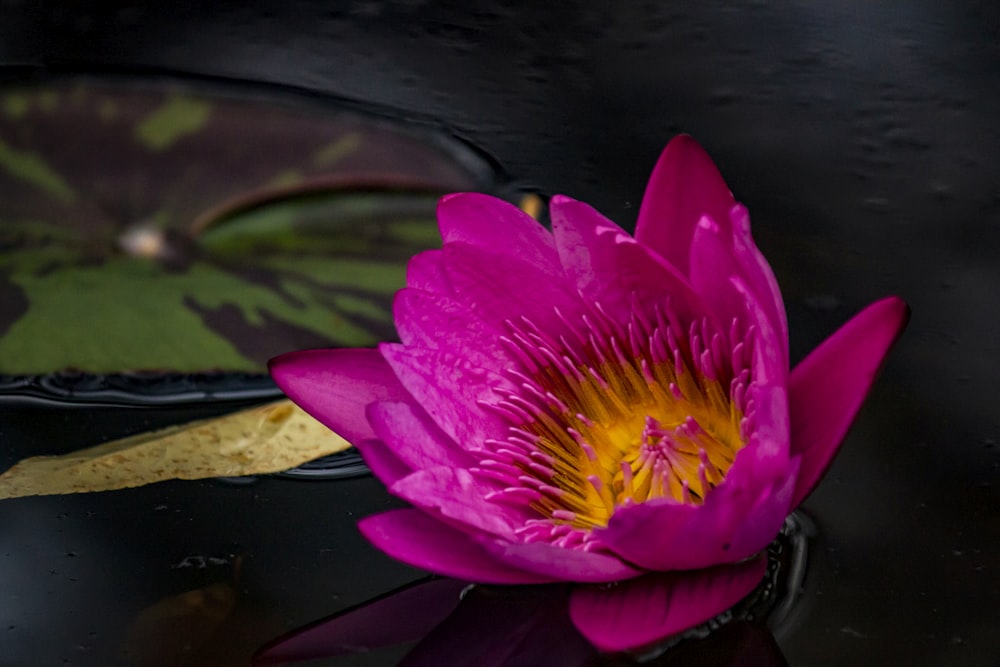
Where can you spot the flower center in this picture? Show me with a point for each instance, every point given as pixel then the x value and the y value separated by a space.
pixel 611 416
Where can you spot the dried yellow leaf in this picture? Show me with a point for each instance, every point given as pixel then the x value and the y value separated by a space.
pixel 269 438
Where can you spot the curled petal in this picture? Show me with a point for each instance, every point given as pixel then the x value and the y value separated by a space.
pixel 335 386
pixel 500 287
pixel 459 499
pixel 827 388
pixel 639 612
pixel 495 225
pixel 732 277
pixel 451 390
pixel 414 437
pixel 382 461
pixel 611 268
pixel 736 521
pixel 410 536
pixel 684 187
pixel 756 271
pixel 561 563
pixel 426 272
pixel 435 321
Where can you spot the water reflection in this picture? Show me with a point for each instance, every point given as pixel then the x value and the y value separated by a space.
pixel 452 622
pixel 489 625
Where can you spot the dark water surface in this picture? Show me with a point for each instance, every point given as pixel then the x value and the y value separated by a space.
pixel 864 140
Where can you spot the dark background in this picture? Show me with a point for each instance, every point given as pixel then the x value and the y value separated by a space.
pixel 862 136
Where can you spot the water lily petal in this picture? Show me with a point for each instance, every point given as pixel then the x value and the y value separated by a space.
pixel 733 284
pixel 611 268
pixel 459 499
pixel 400 616
pixel 499 287
pixel 382 461
pixel 435 321
pixel 765 518
pixel 451 390
pixel 827 388
pixel 640 612
pixel 410 536
pixel 414 437
pixel 645 534
pixel 426 272
pixel 334 386
pixel 736 521
pixel 561 563
pixel 756 271
pixel 685 185
pixel 496 225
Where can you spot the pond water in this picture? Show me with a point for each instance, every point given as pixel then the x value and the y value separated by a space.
pixel 862 139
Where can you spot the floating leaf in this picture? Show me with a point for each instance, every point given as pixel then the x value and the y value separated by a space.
pixel 165 229
pixel 265 439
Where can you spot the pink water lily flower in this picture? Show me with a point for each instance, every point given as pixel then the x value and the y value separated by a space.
pixel 587 406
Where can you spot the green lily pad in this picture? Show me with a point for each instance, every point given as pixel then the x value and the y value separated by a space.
pixel 166 229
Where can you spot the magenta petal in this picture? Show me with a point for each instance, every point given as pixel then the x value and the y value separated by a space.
pixel 451 390
pixel 756 271
pixel 426 272
pixel 685 185
pixel 500 287
pixel 382 461
pixel 827 388
pixel 498 226
pixel 458 498
pixel 612 269
pixel 436 321
pixel 335 386
pixel 561 563
pixel 403 615
pixel 723 282
pixel 410 536
pixel 414 437
pixel 737 519
pixel 636 613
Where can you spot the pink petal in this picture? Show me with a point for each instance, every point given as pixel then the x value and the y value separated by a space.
pixel 730 282
pixel 334 386
pixel 685 185
pixel 457 498
pixel 435 321
pixel 495 225
pixel 426 272
pixel 738 518
pixel 561 563
pixel 451 390
pixel 756 271
pixel 736 521
pixel 410 536
pixel 382 461
pixel 611 268
pixel 639 612
pixel 827 388
pixel 414 437
pixel 499 287
pixel 401 616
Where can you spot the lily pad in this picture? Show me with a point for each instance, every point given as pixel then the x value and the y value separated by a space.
pixel 163 228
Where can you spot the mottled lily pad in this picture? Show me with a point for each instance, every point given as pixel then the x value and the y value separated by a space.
pixel 161 228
